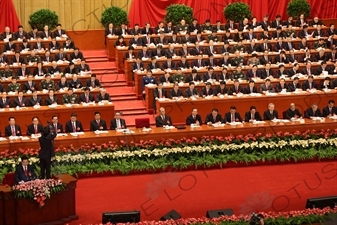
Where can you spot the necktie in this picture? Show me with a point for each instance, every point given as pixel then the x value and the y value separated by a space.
pixel 86 98
pixel 236 90
pixel 23 72
pixel 233 118
pixel 309 72
pixel 118 123
pixel 265 46
pixel 55 128
pixel 4 101
pixel 93 84
pixel 148 41
pixel 30 84
pixel 211 49
pixel 97 121
pixel 309 85
pixel 231 26
pixel 20 101
pixel 254 75
pixel 74 127
pixel 35 129
pixel 25 170
pixel 138 67
pixel 214 119
pixel 13 131
pixel 169 65
pixel 199 62
pixel 160 93
pixel 252 117
pixel 333 57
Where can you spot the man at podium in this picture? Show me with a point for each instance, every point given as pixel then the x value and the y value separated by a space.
pixel 24 172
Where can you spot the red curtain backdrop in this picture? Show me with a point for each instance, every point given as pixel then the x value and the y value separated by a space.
pixel 8 16
pixel 142 11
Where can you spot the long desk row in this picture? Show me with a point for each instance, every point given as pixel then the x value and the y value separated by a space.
pixel 158 134
pixel 45 42
pixel 180 109
pixel 31 67
pixel 139 75
pixel 111 39
pixel 85 114
pixel 129 73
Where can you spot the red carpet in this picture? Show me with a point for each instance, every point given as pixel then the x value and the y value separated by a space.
pixel 192 193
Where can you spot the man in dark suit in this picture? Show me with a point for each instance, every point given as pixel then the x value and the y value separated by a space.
pixel 5 101
pixel 135 30
pixel 117 122
pixel 19 101
pixel 168 64
pixel 271 113
pixel 23 71
pixel 163 119
pixel 76 54
pixel 75 82
pixel 159 51
pixel 309 84
pixel 294 85
pixel 17 58
pixel 93 82
pixel 12 129
pixel 71 69
pixel 236 88
pixel 330 109
pixel 24 172
pixel 59 31
pixel 46 33
pixel 20 33
pixel 57 127
pixel 213 117
pixel 103 96
pixel 10 45
pixel 30 85
pixel 313 111
pixel 176 92
pixel 83 66
pixel 51 99
pixel 54 69
pixel 153 64
pixel 281 86
pixel 194 118
pixel 252 115
pixel 232 116
pixel 69 44
pixel 35 127
pixel 292 112
pixel 194 76
pixel 3 58
pixel 86 97
pixel 46 152
pixel 38 45
pixel 251 88
pixel 34 100
pixel 73 125
pixel 199 62
pixel 98 123
pixel 191 91
pixel 61 55
pixel 147 29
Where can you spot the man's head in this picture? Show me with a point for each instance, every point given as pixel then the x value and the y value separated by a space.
pixel 271 106
pixel 97 115
pixel 194 111
pixel 118 115
pixel 73 117
pixel 35 120
pixel 11 121
pixel 24 161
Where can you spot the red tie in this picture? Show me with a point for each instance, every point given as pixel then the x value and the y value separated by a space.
pixel 13 131
pixel 74 128
pixel 309 72
pixel 236 90
pixel 87 98
pixel 233 119
pixel 199 63
pixel 35 129
pixel 55 128
pixel 25 170
pixel 252 116
pixel 93 84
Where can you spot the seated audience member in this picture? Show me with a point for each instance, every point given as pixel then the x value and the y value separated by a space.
pixel 232 116
pixel 271 113
pixel 17 58
pixel 33 58
pixel 10 45
pixel 153 65
pixel 148 79
pixel 46 33
pixel 63 83
pixel 86 97
pixel 292 57
pixel 47 58
pixel 51 99
pixel 103 96
pixel 253 73
pixel 308 70
pixel 168 64
pixel 267 72
pixel 83 66
pixel 281 86
pixel 5 101
pixel 166 78
pixel 221 89
pixel 330 109
pixel 144 53
pixel 281 71
pixel 159 91
pixel 191 91
pixel 110 30
pixel 3 58
pixel 135 41
pixel 207 90
pixel 183 63
pixel 33 34
pixel 47 83
pixel 213 117
pixel 70 97
pixel 12 129
pixel 252 115
pixel 326 84
pixel 267 87
pixel 30 85
pixel 130 54
pixel 77 55
pixel 20 34
pixel 322 68
pixel 281 58
pixel 39 70
pixel 59 31
pixel 35 127
pixel 194 77
pixel 224 75
pixel 7 72
pixel 313 111
pixel 176 92
pixel 75 82
pixel 24 172
pixel 14 86
pixel 23 71
pixel 20 100
pixel 117 122
pixel 73 125
pixel 58 127
pixel 194 118
pixel 54 69
pixel 69 44
pixel 309 84
pixel 294 85
pixel 251 88
pixel 209 75
pixel 292 112
pixel 238 74
pixel 138 65
pixel 61 55
pixel 236 88
pixel 34 100
pixel 93 82
pixel 225 61
pixel 97 123
pixel 25 45
pixel 71 69
pixel 53 45
pixel 199 62
pixel 163 119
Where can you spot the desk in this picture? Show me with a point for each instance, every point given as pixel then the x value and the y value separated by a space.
pixel 33 41
pixel 60 208
pixel 158 134
pixel 179 110
pixel 85 114
pixel 33 66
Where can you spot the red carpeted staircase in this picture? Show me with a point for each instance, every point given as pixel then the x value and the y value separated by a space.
pixel 123 96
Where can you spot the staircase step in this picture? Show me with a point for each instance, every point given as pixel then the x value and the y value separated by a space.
pixel 123 98
pixel 102 60
pixel 98 65
pixel 134 112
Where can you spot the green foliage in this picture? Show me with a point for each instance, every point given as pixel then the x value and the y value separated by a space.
pixel 237 11
pixel 43 17
pixel 115 15
pixel 297 7
pixel 176 12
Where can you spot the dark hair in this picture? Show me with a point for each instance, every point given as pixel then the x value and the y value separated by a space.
pixel 252 107
pixel 24 157
pixel 332 101
pixel 232 107
pixel 73 114
pixel 215 109
pixel 95 113
pixel 11 117
pixel 46 131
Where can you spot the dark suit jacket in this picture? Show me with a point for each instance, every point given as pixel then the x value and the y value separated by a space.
pixel 59 57
pixel 189 93
pixel 8 131
pixel 78 56
pixel 47 146
pixel 30 129
pixel 90 98
pixel 176 94
pixel 17 103
pixel 306 85
pixel 309 112
pixel 231 90
pixel 190 120
pixel 196 63
pixel 36 71
pixel 290 114
pixel 326 112
pixel 155 66
pixel 9 48
pixel 278 87
pixel 21 176
pixel 69 127
pixel 85 68
pixel 156 93
pixel 18 35
pixel 99 97
pixel 228 117
pixel 32 102
pixel 48 101
pixel 292 87
pixel 251 75
pixel 221 91
pixel 165 65
pixel 205 93
pixel 75 84
pixel 248 91
pixel 59 128
pixel 36 47
pixel 71 71
pixel 20 60
pixel 95 126
pixel 57 33
pixel 44 35
pixel 20 73
pixel 88 83
pixel 209 118
pixel 190 78
pixel 162 122
pixel 44 59
pixel 53 70
pixel 248 116
pixel 5 104
pixel 268 116
pixel 26 86
pixel 61 86
pixel 71 45
pixel 146 55
pixel 22 46
pixel 113 124
pixel 185 65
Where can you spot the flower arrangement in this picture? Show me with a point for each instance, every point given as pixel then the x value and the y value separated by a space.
pixel 38 190
pixel 183 153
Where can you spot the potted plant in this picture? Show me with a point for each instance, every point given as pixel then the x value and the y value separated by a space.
pixel 115 15
pixel 176 12
pixel 237 11
pixel 297 7
pixel 43 17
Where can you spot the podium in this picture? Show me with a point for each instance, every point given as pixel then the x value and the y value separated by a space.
pixel 60 208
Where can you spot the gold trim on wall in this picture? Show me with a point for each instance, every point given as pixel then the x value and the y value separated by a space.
pixel 73 14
